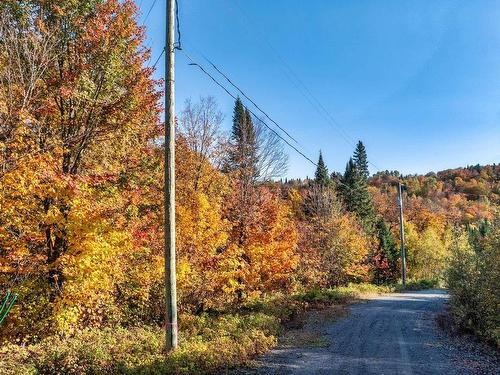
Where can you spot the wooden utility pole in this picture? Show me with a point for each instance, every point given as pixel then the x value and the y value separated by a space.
pixel 170 274
pixel 402 235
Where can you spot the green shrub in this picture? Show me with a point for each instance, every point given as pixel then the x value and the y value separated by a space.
pixel 414 285
pixel 473 280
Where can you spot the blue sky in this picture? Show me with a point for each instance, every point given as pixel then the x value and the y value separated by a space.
pixel 417 81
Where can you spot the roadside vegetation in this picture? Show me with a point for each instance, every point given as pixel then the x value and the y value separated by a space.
pixel 209 343
pixel 81 218
pixel 474 282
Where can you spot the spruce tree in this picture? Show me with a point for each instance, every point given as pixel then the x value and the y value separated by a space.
pixel 347 188
pixel 356 197
pixel 243 151
pixel 385 259
pixel 361 160
pixel 387 243
pixel 321 175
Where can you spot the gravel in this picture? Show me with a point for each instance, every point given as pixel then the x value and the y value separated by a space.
pixel 389 334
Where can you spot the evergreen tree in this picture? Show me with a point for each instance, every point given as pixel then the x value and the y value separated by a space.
pixel 361 160
pixel 321 176
pixel 243 151
pixel 384 259
pixel 347 187
pixel 335 177
pixel 356 197
pixel 387 244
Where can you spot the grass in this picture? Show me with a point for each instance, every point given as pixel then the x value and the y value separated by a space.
pixel 208 343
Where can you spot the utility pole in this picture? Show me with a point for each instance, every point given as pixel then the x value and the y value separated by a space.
pixel 170 274
pixel 402 235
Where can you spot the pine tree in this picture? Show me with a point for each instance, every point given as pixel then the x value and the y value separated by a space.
pixel 321 175
pixel 361 160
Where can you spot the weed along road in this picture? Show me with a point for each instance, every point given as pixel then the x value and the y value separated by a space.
pixel 388 334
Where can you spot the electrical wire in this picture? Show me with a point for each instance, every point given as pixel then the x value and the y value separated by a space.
pixel 194 63
pixel 178 44
pixel 149 12
pixel 303 89
pixel 249 99
pixel 159 57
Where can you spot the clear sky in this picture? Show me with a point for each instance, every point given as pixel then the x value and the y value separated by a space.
pixel 417 81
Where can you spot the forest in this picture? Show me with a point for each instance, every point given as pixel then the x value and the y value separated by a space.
pixel 81 212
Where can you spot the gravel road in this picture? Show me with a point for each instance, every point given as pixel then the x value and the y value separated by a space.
pixel 389 334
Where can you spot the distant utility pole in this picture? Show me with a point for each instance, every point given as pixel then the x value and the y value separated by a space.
pixel 402 235
pixel 170 275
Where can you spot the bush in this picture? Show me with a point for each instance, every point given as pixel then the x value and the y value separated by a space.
pixel 473 279
pixel 212 344
pixel 413 285
pixel 208 344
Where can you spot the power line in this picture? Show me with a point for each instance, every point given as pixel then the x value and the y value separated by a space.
pixel 178 44
pixel 159 57
pixel 149 12
pixel 303 89
pixel 194 63
pixel 250 100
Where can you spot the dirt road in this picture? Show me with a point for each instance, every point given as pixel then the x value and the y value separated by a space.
pixel 390 334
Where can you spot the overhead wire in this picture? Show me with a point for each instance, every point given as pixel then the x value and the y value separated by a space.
pixel 202 69
pixel 178 44
pixel 250 100
pixel 194 63
pixel 149 12
pixel 159 57
pixel 303 89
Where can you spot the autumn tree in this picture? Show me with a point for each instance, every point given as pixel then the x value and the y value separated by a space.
pixel 426 252
pixel 95 108
pixel 256 213
pixel 472 277
pixel 25 55
pixel 200 128
pixel 339 250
